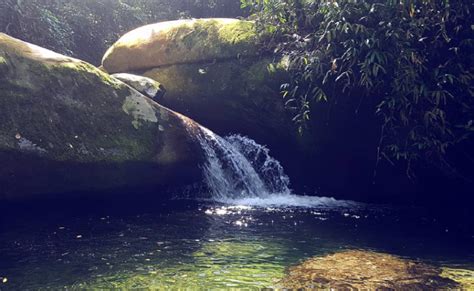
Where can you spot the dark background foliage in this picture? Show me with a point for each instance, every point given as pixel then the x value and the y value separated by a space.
pixel 86 28
pixel 410 63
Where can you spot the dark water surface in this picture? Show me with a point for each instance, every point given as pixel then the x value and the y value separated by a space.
pixel 186 243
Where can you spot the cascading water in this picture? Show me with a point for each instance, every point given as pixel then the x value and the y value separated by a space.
pixel 238 167
pixel 239 171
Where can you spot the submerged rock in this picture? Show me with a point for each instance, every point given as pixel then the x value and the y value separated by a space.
pixel 365 270
pixel 144 85
pixel 181 41
pixel 464 277
pixel 65 126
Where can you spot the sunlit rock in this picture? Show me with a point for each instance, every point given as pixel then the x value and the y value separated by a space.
pixel 66 126
pixel 215 72
pixel 365 270
pixel 144 85
pixel 181 41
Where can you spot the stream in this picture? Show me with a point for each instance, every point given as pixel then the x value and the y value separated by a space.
pixel 243 231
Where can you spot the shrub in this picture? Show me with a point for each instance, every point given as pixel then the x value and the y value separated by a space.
pixel 414 57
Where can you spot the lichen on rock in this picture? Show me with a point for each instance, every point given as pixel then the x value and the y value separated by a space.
pixel 144 85
pixel 77 128
pixel 140 109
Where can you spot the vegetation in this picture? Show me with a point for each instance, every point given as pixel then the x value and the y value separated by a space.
pixel 413 56
pixel 86 28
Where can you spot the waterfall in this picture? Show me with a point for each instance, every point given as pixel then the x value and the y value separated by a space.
pixel 238 167
pixel 239 171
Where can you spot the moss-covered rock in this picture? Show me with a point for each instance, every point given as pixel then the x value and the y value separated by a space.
pixel 231 96
pixel 365 270
pixel 214 72
pixel 181 41
pixel 67 126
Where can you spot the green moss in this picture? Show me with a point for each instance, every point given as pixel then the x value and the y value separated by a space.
pixel 215 33
pixel 215 38
pixel 239 95
pixel 74 112
pixel 185 41
pixel 238 33
pixel 198 34
pixel 80 128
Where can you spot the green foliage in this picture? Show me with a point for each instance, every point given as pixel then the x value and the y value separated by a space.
pixel 86 28
pixel 32 21
pixel 414 57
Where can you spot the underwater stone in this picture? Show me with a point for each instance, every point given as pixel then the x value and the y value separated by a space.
pixel 365 270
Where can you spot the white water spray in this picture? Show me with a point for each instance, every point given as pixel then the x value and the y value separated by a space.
pixel 239 171
pixel 238 167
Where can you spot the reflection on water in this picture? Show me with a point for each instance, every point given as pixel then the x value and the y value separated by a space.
pixel 208 245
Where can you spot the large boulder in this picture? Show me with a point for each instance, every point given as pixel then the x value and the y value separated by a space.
pixel 215 73
pixel 66 126
pixel 238 96
pixel 181 41
pixel 223 81
pixel 237 90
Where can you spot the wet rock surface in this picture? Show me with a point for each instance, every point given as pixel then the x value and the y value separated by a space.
pixel 365 270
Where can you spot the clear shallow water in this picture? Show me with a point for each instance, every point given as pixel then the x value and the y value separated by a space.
pixel 247 243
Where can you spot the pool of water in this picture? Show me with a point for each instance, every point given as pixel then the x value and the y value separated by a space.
pixel 240 243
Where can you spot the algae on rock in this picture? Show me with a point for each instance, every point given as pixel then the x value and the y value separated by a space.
pixel 215 72
pixel 230 96
pixel 67 126
pixel 181 41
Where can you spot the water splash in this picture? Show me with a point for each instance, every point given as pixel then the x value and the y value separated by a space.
pixel 238 167
pixel 269 169
pixel 239 171
pixel 283 201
